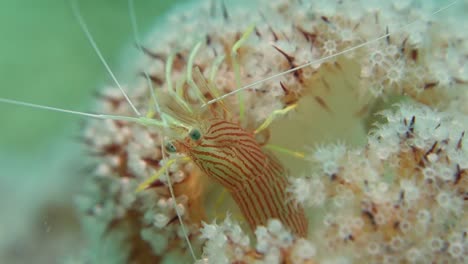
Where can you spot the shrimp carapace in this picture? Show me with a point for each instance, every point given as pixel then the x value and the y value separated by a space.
pixel 227 153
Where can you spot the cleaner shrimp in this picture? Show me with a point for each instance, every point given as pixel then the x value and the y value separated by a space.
pixel 211 129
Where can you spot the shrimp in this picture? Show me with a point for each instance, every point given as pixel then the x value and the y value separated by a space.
pixel 223 148
pixel 230 155
pixel 227 153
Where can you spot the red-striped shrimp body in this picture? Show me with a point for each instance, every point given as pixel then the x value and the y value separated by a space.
pixel 230 155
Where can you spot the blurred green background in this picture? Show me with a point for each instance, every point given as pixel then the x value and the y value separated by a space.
pixel 46 59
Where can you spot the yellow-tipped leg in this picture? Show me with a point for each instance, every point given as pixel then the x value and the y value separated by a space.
pixel 296 154
pixel 190 80
pixel 170 88
pixel 236 67
pixel 273 115
pixel 144 185
pixel 268 121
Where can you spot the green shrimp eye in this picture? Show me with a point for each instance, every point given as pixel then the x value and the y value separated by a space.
pixel 170 147
pixel 195 134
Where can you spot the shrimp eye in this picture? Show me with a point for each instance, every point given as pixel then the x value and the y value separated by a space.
pixel 195 134
pixel 170 147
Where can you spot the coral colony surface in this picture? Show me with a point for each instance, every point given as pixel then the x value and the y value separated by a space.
pixel 384 176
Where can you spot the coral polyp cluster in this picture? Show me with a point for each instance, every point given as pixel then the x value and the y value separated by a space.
pixel 393 189
pixel 400 198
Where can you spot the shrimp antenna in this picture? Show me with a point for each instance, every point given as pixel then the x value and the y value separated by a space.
pixel 84 27
pixel 324 58
pixel 133 21
pixel 140 120
pixel 179 215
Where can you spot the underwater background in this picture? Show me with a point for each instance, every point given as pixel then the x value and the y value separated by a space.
pixel 46 59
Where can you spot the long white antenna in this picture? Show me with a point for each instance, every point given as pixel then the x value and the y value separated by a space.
pixel 84 27
pixel 321 59
pixel 158 109
pixel 133 21
pixel 10 101
pixel 139 120
pixel 179 216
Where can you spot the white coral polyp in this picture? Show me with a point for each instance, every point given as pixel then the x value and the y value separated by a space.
pixel 329 157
